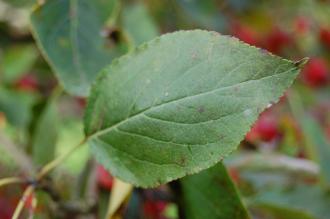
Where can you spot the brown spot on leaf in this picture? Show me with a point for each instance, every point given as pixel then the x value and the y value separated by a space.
pixel 236 89
pixel 182 161
pixel 201 109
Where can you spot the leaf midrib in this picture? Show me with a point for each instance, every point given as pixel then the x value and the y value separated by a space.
pixel 74 25
pixel 114 126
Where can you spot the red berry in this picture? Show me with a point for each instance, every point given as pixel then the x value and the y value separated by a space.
pixel 265 129
pixel 81 101
pixel 27 83
pixel 324 36
pixel 315 72
pixel 252 135
pixel 327 132
pixel 301 24
pixel 244 33
pixel 277 40
pixel 6 208
pixel 154 209
pixel 104 178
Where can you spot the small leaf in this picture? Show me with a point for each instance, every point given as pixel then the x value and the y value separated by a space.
pixel 179 104
pixel 16 61
pixel 317 145
pixel 17 107
pixel 293 204
pixel 45 135
pixel 138 24
pixel 69 35
pixel 205 13
pixel 211 194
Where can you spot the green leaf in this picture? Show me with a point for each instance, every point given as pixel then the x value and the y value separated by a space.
pixel 138 24
pixel 211 194
pixel 179 104
pixel 317 145
pixel 204 13
pixel 303 202
pixel 17 61
pixel 71 133
pixel 17 107
pixel 69 35
pixel 45 135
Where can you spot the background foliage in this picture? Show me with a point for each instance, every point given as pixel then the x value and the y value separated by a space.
pixel 281 168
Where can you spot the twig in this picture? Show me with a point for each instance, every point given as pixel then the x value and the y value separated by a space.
pixel 28 191
pixel 57 161
pixel 10 180
pixel 17 155
pixel 33 207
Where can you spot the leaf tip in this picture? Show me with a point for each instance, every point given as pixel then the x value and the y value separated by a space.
pixel 300 64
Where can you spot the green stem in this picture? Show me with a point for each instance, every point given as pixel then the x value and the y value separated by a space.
pixel 57 161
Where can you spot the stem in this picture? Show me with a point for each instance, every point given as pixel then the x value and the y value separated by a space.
pixel 57 161
pixel 28 191
pixel 10 180
pixel 33 207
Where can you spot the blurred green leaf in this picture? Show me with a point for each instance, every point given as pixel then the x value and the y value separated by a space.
pixel 269 162
pixel 205 13
pixel 17 106
pixel 171 211
pixel 20 3
pixel 211 194
pixel 241 4
pixel 138 24
pixel 318 147
pixel 303 202
pixel 45 135
pixel 71 133
pixel 69 33
pixel 16 61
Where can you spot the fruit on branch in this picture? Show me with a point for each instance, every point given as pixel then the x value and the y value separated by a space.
pixel 244 33
pixel 27 82
pixel 324 37
pixel 104 178
pixel 315 73
pixel 265 129
pixel 277 40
